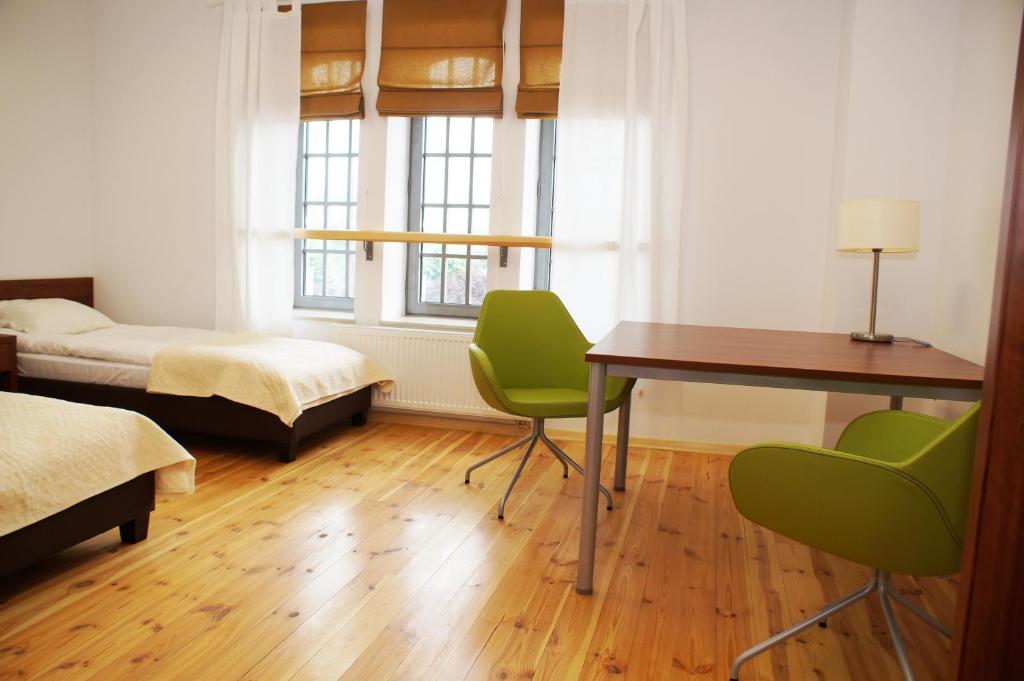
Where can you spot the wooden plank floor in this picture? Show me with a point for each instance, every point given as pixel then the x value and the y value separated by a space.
pixel 369 559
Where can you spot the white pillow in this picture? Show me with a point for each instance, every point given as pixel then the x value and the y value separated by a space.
pixel 51 315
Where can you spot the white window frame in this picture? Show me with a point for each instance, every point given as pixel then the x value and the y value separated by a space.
pixel 415 253
pixel 348 248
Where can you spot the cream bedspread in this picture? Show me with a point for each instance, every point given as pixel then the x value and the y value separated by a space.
pixel 54 454
pixel 278 375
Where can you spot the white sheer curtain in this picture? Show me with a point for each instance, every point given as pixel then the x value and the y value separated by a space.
pixel 255 155
pixel 620 173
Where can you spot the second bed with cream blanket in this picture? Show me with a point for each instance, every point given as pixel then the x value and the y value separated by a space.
pixel 282 376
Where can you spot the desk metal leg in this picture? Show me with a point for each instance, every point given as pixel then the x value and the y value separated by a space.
pixel 591 479
pixel 896 402
pixel 622 444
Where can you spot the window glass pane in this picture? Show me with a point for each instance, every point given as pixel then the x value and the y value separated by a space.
pixel 313 244
pixel 353 179
pixel 337 178
pixel 458 221
pixel 433 180
pixel 333 245
pixel 455 281
pixel 314 216
pixel 483 134
pixel 433 219
pixel 316 137
pixel 482 181
pixel 355 136
pixel 431 248
pixel 336 274
pixel 337 136
pixel 477 281
pixel 458 180
pixel 435 135
pixel 481 220
pixel 336 217
pixel 314 284
pixel 350 266
pixel 315 179
pixel 430 280
pixel 460 131
pixel 352 223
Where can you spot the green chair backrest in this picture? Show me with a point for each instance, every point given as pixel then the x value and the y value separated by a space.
pixel 531 341
pixel 944 466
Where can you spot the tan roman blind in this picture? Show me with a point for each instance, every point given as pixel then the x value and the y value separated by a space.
pixel 441 58
pixel 333 53
pixel 540 58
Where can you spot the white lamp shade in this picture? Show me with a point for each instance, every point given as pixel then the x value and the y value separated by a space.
pixel 891 225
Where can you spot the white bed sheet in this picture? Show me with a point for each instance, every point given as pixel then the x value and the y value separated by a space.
pixel 80 370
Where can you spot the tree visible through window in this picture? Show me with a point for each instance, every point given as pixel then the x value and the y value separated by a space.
pixel 449 192
pixel 328 178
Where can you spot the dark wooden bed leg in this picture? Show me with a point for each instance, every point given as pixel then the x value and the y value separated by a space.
pixel 287 451
pixel 134 531
pixel 359 418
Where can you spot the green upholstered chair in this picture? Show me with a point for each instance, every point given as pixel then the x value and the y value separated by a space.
pixel 892 496
pixel 527 358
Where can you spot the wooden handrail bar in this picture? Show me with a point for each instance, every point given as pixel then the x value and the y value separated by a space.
pixel 369 237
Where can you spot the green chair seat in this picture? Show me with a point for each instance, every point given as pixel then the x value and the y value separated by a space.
pixel 542 403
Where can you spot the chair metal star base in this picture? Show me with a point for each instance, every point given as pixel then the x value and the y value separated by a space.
pixel 880 583
pixel 536 435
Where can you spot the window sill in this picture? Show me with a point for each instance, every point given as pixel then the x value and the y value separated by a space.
pixel 460 324
pixel 325 315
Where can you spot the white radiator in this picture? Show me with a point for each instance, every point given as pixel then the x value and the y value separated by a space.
pixel 431 368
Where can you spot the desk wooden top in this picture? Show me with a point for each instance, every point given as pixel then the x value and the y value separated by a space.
pixel 794 354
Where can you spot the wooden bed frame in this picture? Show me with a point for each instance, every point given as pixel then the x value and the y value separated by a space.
pixel 126 506
pixel 207 415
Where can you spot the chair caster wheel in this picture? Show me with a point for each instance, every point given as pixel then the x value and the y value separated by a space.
pixel 501 517
pixel 565 475
pixel 466 481
pixel 823 624
pixel 609 508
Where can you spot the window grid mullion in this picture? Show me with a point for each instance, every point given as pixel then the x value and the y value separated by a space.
pixel 469 212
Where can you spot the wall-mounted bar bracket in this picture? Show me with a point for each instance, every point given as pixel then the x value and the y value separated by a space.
pixel 502 256
pixel 368 249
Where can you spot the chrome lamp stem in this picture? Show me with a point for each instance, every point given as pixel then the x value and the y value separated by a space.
pixel 870 335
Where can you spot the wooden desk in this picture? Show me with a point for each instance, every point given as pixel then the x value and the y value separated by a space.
pixel 803 360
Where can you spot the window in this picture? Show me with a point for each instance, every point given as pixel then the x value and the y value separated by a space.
pixel 449 192
pixel 328 177
pixel 545 202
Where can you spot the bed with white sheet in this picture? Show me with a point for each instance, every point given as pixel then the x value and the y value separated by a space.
pixel 242 385
pixel 72 471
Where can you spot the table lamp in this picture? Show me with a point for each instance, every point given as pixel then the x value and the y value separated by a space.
pixel 878 226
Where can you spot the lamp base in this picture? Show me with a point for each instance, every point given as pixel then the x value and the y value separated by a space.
pixel 872 337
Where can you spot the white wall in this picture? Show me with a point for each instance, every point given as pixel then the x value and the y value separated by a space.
pixel 929 85
pixel 46 96
pixel 795 105
pixel 155 82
